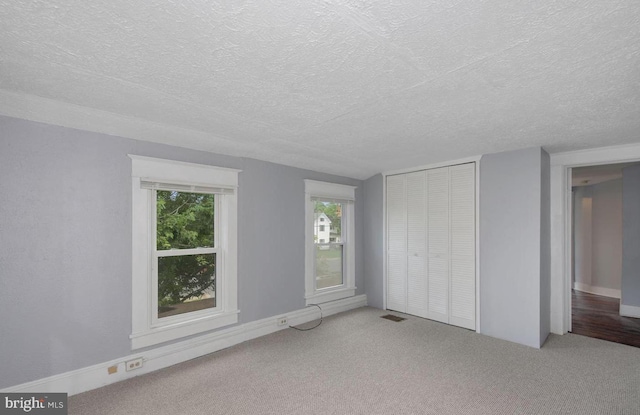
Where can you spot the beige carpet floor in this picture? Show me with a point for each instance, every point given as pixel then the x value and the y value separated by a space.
pixel 358 363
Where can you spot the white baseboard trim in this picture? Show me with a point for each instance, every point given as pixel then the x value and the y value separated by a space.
pixel 92 377
pixel 629 311
pixel 591 289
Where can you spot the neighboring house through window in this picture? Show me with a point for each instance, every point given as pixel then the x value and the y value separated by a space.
pixel 330 250
pixel 184 249
pixel 321 232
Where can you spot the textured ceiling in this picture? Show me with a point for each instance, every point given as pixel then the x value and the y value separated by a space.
pixel 350 87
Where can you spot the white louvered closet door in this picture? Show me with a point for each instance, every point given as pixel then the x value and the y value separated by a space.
pixel 431 235
pixel 463 246
pixel 397 243
pixel 438 243
pixel 416 244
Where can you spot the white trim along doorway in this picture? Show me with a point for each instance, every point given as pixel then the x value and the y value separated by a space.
pixel 561 208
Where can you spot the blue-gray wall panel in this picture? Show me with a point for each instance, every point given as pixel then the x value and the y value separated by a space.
pixel 545 248
pixel 271 237
pixel 631 236
pixel 510 189
pixel 65 244
pixel 374 240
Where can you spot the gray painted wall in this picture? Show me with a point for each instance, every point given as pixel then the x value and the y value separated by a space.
pixel 65 244
pixel 631 236
pixel 510 246
pixel 606 237
pixel 545 247
pixel 374 240
pixel 599 235
pixel 582 234
pixel 271 271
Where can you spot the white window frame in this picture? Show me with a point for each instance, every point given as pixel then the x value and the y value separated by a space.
pixel 147 329
pixel 338 193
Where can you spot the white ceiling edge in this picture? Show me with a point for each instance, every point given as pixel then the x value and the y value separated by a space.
pixel 472 159
pixel 63 114
pixel 49 111
pixel 597 180
pixel 595 156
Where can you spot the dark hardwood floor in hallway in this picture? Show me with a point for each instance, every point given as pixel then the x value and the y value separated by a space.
pixel 598 316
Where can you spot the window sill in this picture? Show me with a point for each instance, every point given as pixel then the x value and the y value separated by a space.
pixel 320 297
pixel 175 331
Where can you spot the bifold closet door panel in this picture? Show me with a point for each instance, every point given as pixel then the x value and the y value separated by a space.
pixel 463 248
pixel 397 243
pixel 438 286
pixel 417 286
pixel 397 281
pixel 438 244
pixel 416 244
pixel 463 294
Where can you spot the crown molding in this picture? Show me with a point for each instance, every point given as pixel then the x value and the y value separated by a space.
pixel 49 111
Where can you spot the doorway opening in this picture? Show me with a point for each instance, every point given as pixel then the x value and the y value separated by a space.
pixel 597 222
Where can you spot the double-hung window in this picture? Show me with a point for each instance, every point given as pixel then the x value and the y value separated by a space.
pixel 330 242
pixel 184 249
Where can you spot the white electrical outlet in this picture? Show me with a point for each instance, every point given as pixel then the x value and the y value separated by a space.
pixel 133 364
pixel 282 321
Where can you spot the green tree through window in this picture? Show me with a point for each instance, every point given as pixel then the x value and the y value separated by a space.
pixel 185 221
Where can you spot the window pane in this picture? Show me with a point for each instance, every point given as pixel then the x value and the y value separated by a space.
pixel 328 265
pixel 186 283
pixel 327 224
pixel 184 220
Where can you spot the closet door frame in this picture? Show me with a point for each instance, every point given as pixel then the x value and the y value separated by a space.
pixel 476 160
